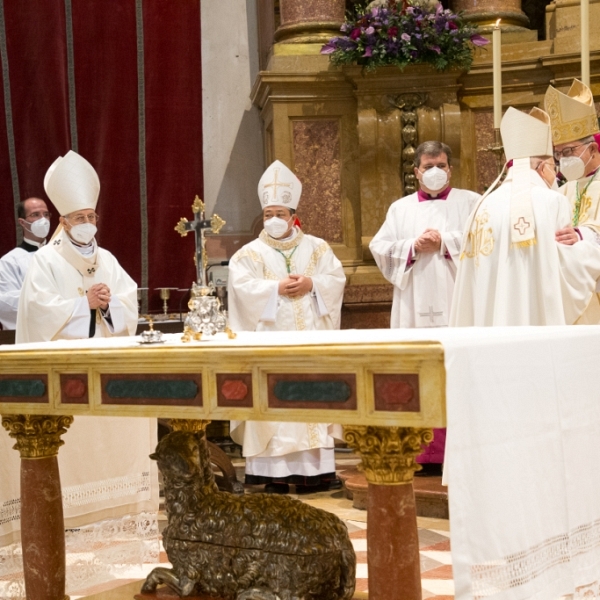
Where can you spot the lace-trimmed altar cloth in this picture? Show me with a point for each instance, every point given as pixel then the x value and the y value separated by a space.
pixel 523 456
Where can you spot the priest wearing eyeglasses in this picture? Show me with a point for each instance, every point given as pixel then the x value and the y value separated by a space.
pixel 74 289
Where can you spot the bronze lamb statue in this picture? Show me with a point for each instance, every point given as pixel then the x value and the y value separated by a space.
pixel 250 547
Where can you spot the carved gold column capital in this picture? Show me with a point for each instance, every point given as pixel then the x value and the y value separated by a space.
pixel 38 436
pixel 191 425
pixel 387 453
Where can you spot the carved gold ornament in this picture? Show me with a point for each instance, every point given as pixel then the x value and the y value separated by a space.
pixel 387 453
pixel 38 436
pixel 190 425
pixel 181 228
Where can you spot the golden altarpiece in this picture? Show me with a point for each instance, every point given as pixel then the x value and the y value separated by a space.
pixel 350 136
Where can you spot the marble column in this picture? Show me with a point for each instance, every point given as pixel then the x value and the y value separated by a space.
pixel 388 462
pixel 42 524
pixel 484 13
pixel 310 21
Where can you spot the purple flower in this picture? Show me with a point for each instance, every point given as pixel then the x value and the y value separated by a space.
pixel 355 34
pixel 368 51
pixel 405 37
pixel 479 40
pixel 330 46
pixel 436 49
pixel 370 30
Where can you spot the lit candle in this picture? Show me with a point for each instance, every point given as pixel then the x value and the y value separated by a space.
pixel 497 72
pixel 585 42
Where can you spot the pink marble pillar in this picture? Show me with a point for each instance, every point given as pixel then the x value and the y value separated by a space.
pixel 42 525
pixel 484 13
pixel 310 21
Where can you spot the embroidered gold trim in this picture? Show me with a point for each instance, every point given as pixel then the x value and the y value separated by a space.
pixel 480 239
pixel 315 256
pixel 569 131
pixel 273 243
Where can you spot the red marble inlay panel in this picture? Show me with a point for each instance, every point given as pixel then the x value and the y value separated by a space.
pixel 74 388
pixel 397 392
pixel 318 166
pixel 234 389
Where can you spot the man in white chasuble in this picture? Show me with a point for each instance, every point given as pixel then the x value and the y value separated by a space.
pixel 514 269
pixel 417 249
pixel 76 290
pixel 285 280
pixel 575 136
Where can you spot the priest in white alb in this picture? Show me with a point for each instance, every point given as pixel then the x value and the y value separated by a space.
pixel 285 280
pixel 417 250
pixel 76 290
pixel 515 269
pixel 574 124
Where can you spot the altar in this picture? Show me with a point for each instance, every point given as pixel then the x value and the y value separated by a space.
pixel 520 405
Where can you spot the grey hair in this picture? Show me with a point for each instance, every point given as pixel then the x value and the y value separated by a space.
pixel 432 148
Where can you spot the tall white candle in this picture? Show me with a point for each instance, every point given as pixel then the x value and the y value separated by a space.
pixel 585 42
pixel 497 72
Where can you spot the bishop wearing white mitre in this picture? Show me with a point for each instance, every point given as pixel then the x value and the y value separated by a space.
pixel 76 290
pixel 513 269
pixel 285 280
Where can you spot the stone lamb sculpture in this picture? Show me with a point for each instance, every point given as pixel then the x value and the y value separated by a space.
pixel 250 547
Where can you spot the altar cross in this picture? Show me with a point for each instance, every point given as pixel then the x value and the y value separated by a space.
pixel 431 314
pixel 199 225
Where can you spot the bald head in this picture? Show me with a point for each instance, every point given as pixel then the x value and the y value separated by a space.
pixel 32 205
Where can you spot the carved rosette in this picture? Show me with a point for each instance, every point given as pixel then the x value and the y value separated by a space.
pixel 190 425
pixel 38 436
pixel 387 453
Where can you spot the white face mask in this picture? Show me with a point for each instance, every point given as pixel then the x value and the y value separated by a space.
pixel 275 226
pixel 40 228
pixel 83 233
pixel 573 167
pixel 434 179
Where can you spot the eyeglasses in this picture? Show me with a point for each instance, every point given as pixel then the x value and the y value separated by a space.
pixel 38 215
pixel 79 219
pixel 566 152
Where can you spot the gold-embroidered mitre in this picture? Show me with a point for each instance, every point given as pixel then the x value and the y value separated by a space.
pixel 572 115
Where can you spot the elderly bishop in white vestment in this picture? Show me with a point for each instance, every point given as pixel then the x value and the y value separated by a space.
pixel 512 269
pixel 285 281
pixel 104 465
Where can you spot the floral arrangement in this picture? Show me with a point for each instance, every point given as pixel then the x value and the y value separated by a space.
pixel 388 32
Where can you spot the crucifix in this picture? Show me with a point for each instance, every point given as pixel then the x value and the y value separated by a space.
pixel 199 225
pixel 431 314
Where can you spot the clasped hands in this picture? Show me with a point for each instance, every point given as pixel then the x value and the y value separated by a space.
pixel 429 241
pixel 294 286
pixel 98 296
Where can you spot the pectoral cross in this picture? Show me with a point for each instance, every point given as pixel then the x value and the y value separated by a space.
pixel 432 314
pixel 198 226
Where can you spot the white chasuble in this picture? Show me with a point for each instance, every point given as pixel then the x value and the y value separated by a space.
pixel 423 283
pixel 255 305
pixel 105 469
pixel 53 303
pixel 546 283
pixel 584 197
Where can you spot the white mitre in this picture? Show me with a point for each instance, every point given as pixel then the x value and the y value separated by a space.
pixel 72 184
pixel 278 186
pixel 524 135
pixel 572 115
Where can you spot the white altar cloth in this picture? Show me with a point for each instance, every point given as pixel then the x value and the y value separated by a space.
pixel 523 450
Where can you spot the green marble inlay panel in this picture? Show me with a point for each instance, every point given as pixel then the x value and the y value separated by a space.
pixel 23 388
pixel 163 389
pixel 312 391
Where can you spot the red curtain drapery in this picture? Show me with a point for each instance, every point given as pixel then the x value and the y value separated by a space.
pixel 120 83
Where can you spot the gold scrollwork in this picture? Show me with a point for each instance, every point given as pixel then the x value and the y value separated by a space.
pixel 480 239
pixel 181 227
pixel 38 436
pixel 387 453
